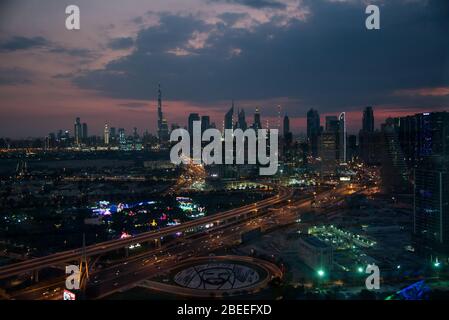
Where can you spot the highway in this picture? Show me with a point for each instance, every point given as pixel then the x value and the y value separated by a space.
pixel 147 265
pixel 107 246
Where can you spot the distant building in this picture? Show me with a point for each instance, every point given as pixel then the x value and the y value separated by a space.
pixel 257 124
pixel 205 123
pixel 229 118
pixel 368 120
pixel 85 134
pixel 313 130
pixel 78 131
pixel 328 153
pixel 192 117
pixel 162 125
pixel 106 134
pixel 342 137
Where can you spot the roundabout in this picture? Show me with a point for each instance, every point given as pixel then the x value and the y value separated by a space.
pixel 218 276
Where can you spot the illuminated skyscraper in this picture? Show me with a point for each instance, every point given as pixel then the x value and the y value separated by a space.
pixel 78 131
pixel 162 125
pixel 106 134
pixel 342 137
pixel 257 122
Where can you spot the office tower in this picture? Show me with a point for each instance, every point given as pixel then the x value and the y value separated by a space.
pixel 342 137
pixel 135 134
pixel 257 122
pixel 85 132
pixel 106 134
pixel 205 123
pixel 229 118
pixel 77 131
pixel 328 153
pixel 395 176
pixel 351 147
pixel 113 134
pixel 241 121
pixel 287 136
pixel 431 212
pixel 192 117
pixel 313 130
pixel 428 135
pixel 121 136
pixel 368 120
pixel 331 124
pixel 286 127
pixel 162 125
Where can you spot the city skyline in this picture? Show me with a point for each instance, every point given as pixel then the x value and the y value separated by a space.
pixel 206 53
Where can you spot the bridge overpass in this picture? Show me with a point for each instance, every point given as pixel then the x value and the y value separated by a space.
pixel 71 256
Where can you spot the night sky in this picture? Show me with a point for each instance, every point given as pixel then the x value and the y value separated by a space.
pixel 296 53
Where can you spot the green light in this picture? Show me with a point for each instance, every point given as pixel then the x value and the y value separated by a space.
pixel 360 269
pixel 436 264
pixel 321 273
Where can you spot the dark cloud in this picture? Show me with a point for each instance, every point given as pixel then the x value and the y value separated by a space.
pixel 74 52
pixel 23 43
pixel 15 76
pixel 121 43
pixel 330 61
pixel 258 4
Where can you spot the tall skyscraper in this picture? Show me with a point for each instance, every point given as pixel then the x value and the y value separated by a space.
pixel 106 134
pixel 229 118
pixel 78 131
pixel 85 132
pixel 313 130
pixel 257 122
pixel 286 127
pixel 121 136
pixel 162 125
pixel 431 212
pixel 241 121
pixel 331 124
pixel 425 139
pixel 328 153
pixel 342 137
pixel 192 117
pixel 205 123
pixel 368 120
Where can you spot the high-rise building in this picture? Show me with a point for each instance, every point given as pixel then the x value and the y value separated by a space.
pixel 351 147
pixel 313 130
pixel 113 134
pixel 205 123
pixel 241 121
pixel 286 127
pixel 257 121
pixel 162 125
pixel 85 132
pixel 106 134
pixel 229 118
pixel 368 120
pixel 331 124
pixel 78 131
pixel 342 137
pixel 121 136
pixel 192 117
pixel 328 153
pixel 431 212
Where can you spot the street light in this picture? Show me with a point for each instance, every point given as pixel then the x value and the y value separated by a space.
pixel 360 269
pixel 321 273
